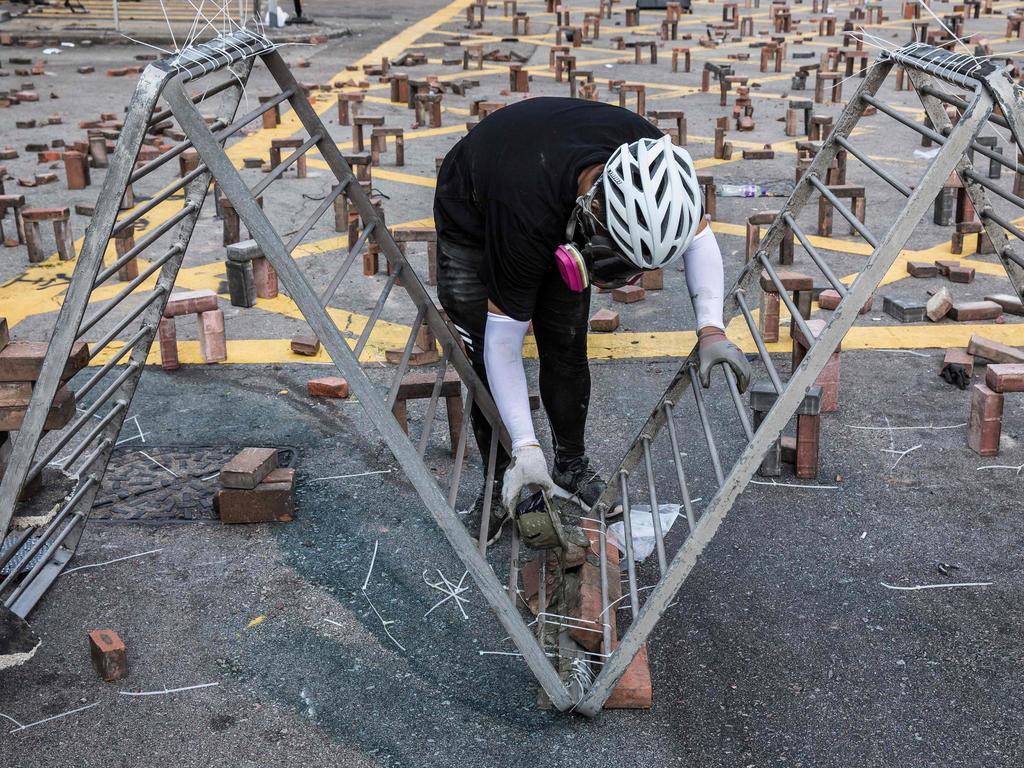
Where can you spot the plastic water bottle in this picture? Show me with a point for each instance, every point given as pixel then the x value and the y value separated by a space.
pixel 742 190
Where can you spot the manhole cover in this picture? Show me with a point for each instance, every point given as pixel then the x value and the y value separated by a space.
pixel 165 483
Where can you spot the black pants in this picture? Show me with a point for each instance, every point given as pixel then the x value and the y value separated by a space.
pixel 560 329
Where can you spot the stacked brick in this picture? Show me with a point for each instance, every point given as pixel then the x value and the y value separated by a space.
pixel 212 339
pixel 254 489
pixel 20 365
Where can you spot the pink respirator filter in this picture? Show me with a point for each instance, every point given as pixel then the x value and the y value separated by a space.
pixel 572 267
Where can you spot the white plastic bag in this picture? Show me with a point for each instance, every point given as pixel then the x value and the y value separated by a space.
pixel 642 527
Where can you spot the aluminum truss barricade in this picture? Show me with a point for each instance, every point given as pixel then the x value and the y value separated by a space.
pixel 937 76
pixel 41 555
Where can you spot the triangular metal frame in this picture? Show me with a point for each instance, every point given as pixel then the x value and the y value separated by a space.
pixel 990 88
pixel 237 52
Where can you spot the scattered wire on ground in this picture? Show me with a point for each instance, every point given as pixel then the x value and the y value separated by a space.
pixel 385 623
pixel 357 474
pixel 1016 470
pixel 166 691
pixel 901 453
pixel 109 562
pixel 938 586
pixel 796 485
pixel 159 464
pixel 52 717
pixel 930 427
pixel 449 590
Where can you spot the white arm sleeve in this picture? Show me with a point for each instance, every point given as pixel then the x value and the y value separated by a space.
pixel 705 279
pixel 503 358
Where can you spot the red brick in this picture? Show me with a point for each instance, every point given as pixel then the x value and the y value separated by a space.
pixel 957 356
pixel 212 342
pixel 979 346
pixel 938 305
pixel 265 278
pixel 828 299
pixel 304 344
pixel 791 281
pixel 23 360
pixel 970 311
pixel 652 280
pixel 61 412
pixel 1005 377
pixel 328 386
pixel 629 294
pixel 807 429
pixel 109 655
pixel 1010 303
pixel 190 303
pixel 248 468
pixel 985 422
pixel 770 316
pixel 267 503
pixel 604 321
pixel 76 170
pixel 961 274
pixel 590 609
pixel 168 335
pixel 944 265
pixel 5 334
pixel 633 690
pixel 921 269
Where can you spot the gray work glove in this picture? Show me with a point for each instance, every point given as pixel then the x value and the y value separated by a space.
pixel 528 467
pixel 713 347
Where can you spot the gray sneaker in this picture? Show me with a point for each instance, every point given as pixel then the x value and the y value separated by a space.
pixel 578 482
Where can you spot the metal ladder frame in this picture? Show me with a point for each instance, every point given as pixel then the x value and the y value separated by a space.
pixel 167 80
pixel 924 64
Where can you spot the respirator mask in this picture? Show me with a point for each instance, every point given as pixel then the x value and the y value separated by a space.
pixel 589 256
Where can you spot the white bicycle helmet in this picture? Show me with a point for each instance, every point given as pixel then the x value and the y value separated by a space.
pixel 652 201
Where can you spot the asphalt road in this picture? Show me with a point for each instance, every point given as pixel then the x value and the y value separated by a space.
pixel 784 647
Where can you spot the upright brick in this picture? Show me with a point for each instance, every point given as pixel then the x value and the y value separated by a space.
pixel 985 422
pixel 633 690
pixel 167 332
pixel 939 304
pixel 109 655
pixel 212 341
pixel 807 431
pixel 265 277
pixel 248 468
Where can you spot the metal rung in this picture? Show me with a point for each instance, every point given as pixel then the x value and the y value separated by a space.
pixel 159 117
pixel 80 492
pixel 142 277
pixel 705 424
pixel 128 347
pixel 813 253
pixel 119 407
pixel 285 164
pixel 435 394
pixel 460 449
pixel 893 182
pixel 403 364
pixel 356 249
pixel 10 546
pixel 677 460
pixel 321 209
pixel 741 411
pixel 652 494
pixel 187 210
pixel 377 309
pixel 158 292
pixel 72 430
pixel 485 510
pixel 846 214
pixel 627 530
pixel 994 188
pixel 784 296
pixel 160 197
pixel 762 350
